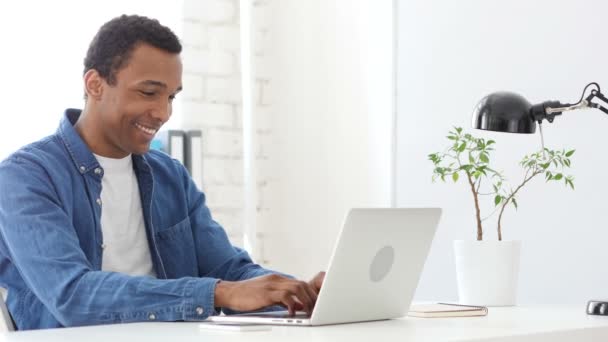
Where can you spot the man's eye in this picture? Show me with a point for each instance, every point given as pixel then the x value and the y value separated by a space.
pixel 146 93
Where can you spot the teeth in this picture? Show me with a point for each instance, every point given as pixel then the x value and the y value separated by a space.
pixel 145 129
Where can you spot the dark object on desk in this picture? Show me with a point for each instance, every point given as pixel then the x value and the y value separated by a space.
pixel 597 307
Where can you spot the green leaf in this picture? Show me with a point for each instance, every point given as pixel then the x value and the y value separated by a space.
pixel 497 200
pixel 455 177
pixel 458 129
pixel 471 159
pixel 490 142
pixel 567 162
pixel 452 137
pixel 484 157
pixel 461 147
pixel 558 176
pixel 570 153
pixel 548 175
pixel 466 167
pixel 514 202
pixel 569 182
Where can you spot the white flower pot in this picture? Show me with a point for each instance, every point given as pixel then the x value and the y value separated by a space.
pixel 487 272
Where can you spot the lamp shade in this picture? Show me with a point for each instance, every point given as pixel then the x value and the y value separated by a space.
pixel 504 112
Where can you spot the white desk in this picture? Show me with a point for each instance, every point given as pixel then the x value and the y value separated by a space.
pixel 520 324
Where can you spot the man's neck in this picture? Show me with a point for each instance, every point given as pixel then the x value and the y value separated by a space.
pixel 89 131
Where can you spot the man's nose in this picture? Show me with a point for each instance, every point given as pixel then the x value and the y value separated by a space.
pixel 163 112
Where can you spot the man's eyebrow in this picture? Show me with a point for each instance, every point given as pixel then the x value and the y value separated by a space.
pixel 153 83
pixel 159 84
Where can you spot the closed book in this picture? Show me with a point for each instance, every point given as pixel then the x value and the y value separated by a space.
pixel 446 310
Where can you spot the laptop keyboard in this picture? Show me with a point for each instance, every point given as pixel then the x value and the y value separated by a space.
pixel 277 314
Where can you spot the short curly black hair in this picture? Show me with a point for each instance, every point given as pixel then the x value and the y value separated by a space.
pixel 111 48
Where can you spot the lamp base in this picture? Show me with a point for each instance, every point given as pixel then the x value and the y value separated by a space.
pixel 597 307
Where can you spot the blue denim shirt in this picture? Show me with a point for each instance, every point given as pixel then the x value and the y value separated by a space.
pixel 51 240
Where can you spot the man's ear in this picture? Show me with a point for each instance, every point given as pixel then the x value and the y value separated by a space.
pixel 93 84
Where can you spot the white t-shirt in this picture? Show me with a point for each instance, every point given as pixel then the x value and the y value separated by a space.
pixel 125 244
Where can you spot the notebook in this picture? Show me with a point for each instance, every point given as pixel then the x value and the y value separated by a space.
pixel 446 310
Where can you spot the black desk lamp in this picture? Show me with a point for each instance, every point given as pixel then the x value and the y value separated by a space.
pixel 512 113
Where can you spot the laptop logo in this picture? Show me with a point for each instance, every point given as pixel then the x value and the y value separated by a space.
pixel 382 263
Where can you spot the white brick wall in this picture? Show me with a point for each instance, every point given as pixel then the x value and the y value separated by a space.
pixel 211 80
pixel 268 180
pixel 195 34
pixel 225 38
pixel 224 90
pixel 208 115
pixel 223 142
pixel 211 11
pixel 212 102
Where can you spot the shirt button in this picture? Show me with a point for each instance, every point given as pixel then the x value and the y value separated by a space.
pixel 103 246
pixel 82 168
pixel 200 310
pixel 151 316
pixel 98 201
pixel 97 171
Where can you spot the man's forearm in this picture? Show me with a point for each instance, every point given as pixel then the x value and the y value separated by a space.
pixel 222 293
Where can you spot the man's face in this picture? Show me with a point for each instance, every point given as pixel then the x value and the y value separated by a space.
pixel 133 109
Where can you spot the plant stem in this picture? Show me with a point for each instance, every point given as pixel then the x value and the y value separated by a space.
pixel 477 210
pixel 504 205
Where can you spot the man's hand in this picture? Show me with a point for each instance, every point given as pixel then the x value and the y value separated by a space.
pixel 317 281
pixel 273 289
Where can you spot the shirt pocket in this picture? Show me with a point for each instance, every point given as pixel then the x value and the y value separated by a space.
pixel 177 250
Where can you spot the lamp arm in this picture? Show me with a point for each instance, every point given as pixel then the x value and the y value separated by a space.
pixel 549 109
pixel 599 95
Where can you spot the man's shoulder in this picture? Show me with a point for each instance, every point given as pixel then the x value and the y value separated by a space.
pixel 46 150
pixel 40 161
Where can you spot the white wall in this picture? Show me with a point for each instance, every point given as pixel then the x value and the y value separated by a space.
pixel 453 53
pixel 332 141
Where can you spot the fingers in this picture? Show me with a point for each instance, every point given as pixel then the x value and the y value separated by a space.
pixel 287 300
pixel 302 293
pixel 317 281
pixel 311 293
pixel 262 291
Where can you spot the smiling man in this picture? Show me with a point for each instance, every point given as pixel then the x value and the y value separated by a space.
pixel 96 228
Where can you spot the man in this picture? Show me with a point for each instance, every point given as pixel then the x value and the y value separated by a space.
pixel 96 228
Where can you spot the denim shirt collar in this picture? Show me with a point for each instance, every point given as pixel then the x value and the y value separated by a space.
pixel 81 155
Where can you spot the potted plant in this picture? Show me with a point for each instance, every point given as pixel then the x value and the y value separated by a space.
pixel 487 271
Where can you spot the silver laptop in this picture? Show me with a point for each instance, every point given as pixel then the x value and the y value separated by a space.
pixel 373 272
